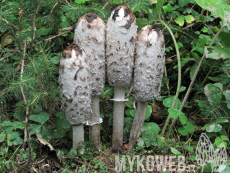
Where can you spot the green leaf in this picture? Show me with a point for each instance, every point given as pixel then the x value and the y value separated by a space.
pixel 2 137
pixel 180 20
pixel 214 128
pixel 3 150
pixel 189 148
pixel 55 59
pixel 183 119
pixel 169 101
pixel 72 153
pixel 224 138
pixel 218 7
pixel 60 153
pixel 193 158
pixel 224 37
pixel 12 135
pixel 18 141
pixel 219 85
pixel 183 131
pixel 151 127
pixel 6 40
pixel 190 128
pixel 227 97
pixel 217 53
pixel 35 129
pixel 141 22
pixel 182 88
pixel 192 71
pixel 213 94
pixel 47 132
pixel 132 113
pixel 40 118
pixel 174 113
pixel 189 18
pixel 167 8
pixel 222 120
pixel 175 151
pixel 156 13
pixel 148 112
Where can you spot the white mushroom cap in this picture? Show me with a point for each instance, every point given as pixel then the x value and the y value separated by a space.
pixel 75 85
pixel 149 63
pixel 90 36
pixel 120 46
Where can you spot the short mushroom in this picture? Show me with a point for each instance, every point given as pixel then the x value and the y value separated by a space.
pixel 90 36
pixel 148 73
pixel 75 90
pixel 120 46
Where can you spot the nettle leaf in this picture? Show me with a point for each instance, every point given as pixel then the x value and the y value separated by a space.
pixel 40 118
pixel 213 94
pixel 189 18
pixel 219 8
pixel 180 20
pixel 174 113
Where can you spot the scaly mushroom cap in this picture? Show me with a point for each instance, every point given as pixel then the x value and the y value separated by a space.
pixel 120 46
pixel 149 63
pixel 75 85
pixel 90 36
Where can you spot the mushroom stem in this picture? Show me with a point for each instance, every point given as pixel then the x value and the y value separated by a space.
pixel 137 123
pixel 118 118
pixel 94 131
pixel 78 136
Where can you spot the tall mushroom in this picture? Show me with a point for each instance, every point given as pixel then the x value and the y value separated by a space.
pixel 75 90
pixel 148 73
pixel 120 45
pixel 90 36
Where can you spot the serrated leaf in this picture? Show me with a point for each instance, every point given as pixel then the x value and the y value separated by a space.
pixel 180 20
pixel 189 18
pixel 40 118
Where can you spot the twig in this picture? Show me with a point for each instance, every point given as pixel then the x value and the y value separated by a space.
pixel 54 6
pixel 67 29
pixel 53 37
pixel 9 23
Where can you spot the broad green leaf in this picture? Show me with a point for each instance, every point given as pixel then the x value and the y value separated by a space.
pixel 35 129
pixel 6 40
pixel 189 18
pixel 132 113
pixel 182 88
pixel 219 8
pixel 224 138
pixel 214 128
pixel 226 170
pixel 193 158
pixel 217 52
pixel 189 148
pixel 183 119
pixel 156 12
pixel 224 37
pixel 167 8
pixel 183 131
pixel 47 132
pixel 184 61
pixel 148 112
pixel 160 140
pixel 60 153
pixel 18 141
pixel 6 123
pixel 190 128
pixel 18 125
pixel 219 85
pixel 12 135
pixel 2 137
pixel 3 150
pixel 174 113
pixel 40 118
pixel 169 101
pixel 175 151
pixel 82 151
pixel 180 20
pixel 55 59
pixel 72 153
pixel 59 134
pixel 151 127
pixel 141 22
pixel 213 94
pixel 227 97
pixel 222 120
pixel 140 142
pixel 192 71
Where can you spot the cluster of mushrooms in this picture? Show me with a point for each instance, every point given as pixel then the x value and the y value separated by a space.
pixel 119 50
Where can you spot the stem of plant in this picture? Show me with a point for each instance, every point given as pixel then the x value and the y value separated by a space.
pixel 192 82
pixel 78 136
pixel 179 75
pixel 118 118
pixel 94 131
pixel 137 123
